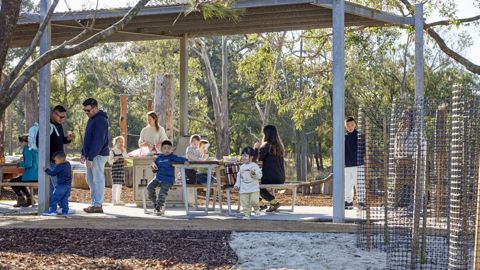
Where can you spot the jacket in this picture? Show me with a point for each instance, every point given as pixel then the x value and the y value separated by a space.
pixel 246 182
pixel 273 167
pixel 29 164
pixel 166 171
pixel 353 155
pixel 62 171
pixel 96 137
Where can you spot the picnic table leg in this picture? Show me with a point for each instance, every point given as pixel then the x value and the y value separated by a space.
pixel 219 189
pixel 195 195
pixel 228 202
pixel 144 201
pixel 32 193
pixel 209 185
pixel 184 189
pixel 294 197
pixel 214 201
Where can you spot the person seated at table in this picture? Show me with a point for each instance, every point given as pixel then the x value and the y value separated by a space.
pixel 203 147
pixel 164 177
pixel 193 153
pixel 29 163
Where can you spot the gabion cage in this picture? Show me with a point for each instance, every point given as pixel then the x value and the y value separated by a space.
pixel 420 179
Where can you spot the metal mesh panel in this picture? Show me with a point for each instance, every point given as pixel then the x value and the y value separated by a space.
pixel 427 158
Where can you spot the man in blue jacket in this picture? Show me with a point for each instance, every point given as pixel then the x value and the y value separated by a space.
pixel 95 153
pixel 165 176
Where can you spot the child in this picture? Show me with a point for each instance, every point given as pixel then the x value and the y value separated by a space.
pixel 248 178
pixel 63 171
pixel 165 175
pixel 352 164
pixel 193 152
pixel 203 147
pixel 117 160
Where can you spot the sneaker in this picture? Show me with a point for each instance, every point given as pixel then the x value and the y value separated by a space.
pixel 257 213
pixel 158 211
pixel 263 207
pixel 273 207
pixel 93 209
pixel 348 206
pixel 50 214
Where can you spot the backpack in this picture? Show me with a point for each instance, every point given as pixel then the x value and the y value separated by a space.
pixel 33 133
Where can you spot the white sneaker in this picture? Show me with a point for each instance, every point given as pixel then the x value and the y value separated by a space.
pixel 257 213
pixel 49 214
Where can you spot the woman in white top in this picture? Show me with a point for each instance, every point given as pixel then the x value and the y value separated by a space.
pixel 152 135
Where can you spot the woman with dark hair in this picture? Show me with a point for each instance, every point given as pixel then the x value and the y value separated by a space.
pixel 153 134
pixel 271 153
pixel 29 163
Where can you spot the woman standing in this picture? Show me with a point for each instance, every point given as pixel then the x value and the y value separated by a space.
pixel 29 164
pixel 153 134
pixel 271 153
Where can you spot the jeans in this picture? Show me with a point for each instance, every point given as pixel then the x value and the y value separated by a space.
pixel 96 180
pixel 60 196
pixel 162 194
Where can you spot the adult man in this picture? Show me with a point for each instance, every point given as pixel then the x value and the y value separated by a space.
pixel 57 137
pixel 95 153
pixel 353 163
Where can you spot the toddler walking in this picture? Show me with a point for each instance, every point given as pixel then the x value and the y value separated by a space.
pixel 63 171
pixel 247 184
pixel 117 159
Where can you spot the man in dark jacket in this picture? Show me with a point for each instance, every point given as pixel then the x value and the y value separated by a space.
pixel 95 153
pixel 353 163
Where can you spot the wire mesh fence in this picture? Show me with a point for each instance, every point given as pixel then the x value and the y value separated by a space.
pixel 419 180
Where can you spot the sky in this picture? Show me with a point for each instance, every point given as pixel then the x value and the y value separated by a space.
pixel 465 7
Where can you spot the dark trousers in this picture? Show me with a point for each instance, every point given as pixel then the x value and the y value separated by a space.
pixel 266 195
pixel 159 201
pixel 60 196
pixel 20 191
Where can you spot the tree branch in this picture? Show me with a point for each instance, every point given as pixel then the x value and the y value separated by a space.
pixel 449 22
pixel 63 51
pixel 32 47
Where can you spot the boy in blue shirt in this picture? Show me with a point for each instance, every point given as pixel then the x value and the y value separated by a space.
pixel 165 176
pixel 63 171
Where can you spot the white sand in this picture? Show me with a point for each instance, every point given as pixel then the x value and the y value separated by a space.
pixel 282 250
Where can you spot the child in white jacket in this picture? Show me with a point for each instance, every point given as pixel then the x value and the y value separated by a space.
pixel 248 178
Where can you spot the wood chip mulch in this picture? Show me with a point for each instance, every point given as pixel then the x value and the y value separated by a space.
pixel 114 249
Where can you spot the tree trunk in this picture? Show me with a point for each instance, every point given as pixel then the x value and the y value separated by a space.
pixel 9 12
pixel 164 102
pixel 303 156
pixel 219 100
pixel 9 131
pixel 320 150
pixel 31 105
pixel 2 136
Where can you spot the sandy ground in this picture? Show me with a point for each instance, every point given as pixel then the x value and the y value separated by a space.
pixel 306 251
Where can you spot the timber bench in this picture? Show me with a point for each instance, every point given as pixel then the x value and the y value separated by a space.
pixel 291 186
pixel 30 185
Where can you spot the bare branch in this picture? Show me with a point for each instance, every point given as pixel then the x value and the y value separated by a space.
pixel 454 55
pixel 62 51
pixel 450 22
pixel 32 47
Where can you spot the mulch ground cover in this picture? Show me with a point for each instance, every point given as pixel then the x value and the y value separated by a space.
pixel 114 249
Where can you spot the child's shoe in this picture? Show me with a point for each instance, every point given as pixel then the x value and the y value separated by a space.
pixel 158 211
pixel 49 214
pixel 257 213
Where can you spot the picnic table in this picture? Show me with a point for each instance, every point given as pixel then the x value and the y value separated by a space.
pixel 9 171
pixel 211 166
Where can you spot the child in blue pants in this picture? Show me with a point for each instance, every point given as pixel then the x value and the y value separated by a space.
pixel 164 177
pixel 63 171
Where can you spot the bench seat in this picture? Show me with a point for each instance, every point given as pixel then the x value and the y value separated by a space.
pixel 30 185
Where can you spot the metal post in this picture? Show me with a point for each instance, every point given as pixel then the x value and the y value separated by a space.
pixel 184 86
pixel 44 117
pixel 419 94
pixel 338 108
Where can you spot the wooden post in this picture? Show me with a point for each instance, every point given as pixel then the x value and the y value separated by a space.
pixel 164 102
pixel 123 119
pixel 441 162
pixel 476 254
pixel 149 105
pixel 183 86
pixel 368 178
